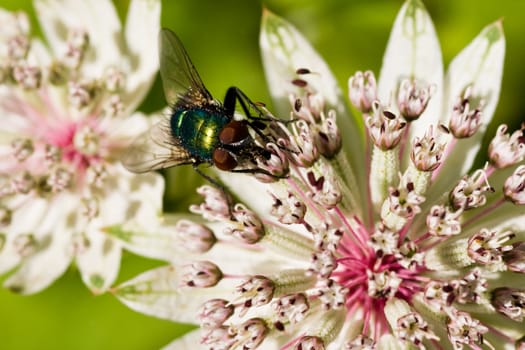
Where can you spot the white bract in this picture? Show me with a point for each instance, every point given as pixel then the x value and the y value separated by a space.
pixel 67 115
pixel 390 240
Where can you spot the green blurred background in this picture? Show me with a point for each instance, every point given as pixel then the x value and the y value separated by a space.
pixel 222 39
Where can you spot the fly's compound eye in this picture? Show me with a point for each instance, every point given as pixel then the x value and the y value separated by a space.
pixel 233 132
pixel 223 159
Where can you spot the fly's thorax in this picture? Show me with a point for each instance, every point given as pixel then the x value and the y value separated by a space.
pixel 197 130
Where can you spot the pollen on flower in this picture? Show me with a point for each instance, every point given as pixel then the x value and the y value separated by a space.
pixel 324 131
pixel 412 100
pixel 395 245
pixel 464 330
pixel 256 291
pixel 487 247
pixel 69 145
pixel 291 308
pixel 470 191
pixel 514 187
pixel 466 115
pixel 412 328
pixel 275 167
pixel 219 337
pixel 427 151
pixel 353 267
pixel 441 221
pixel 250 334
pixel 60 178
pixel 310 342
pixel 510 302
pixel 301 141
pixel 471 287
pixel 323 263
pixel 362 90
pixel 216 204
pixel 506 150
pixel 384 127
pixel 247 226
pixel 22 148
pixel 27 76
pixel 288 210
pixel 214 312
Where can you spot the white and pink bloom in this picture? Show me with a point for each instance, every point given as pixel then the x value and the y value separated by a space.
pixel 387 239
pixel 67 111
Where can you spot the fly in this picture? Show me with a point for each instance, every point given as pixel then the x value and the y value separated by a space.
pixel 199 129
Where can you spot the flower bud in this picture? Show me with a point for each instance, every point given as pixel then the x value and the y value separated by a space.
pixel 201 274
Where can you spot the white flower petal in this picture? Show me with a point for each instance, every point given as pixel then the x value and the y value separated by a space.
pixel 98 17
pixel 413 52
pixel 23 221
pixel 158 240
pixel 163 242
pixel 13 120
pixel 136 199
pixel 350 330
pixel 191 341
pixel 249 190
pixel 389 342
pixel 284 50
pixel 506 217
pixel 479 65
pixel 394 309
pixel 52 253
pixel 188 341
pixel 13 24
pixel 38 271
pixel 9 257
pixel 159 293
pixel 134 125
pixel 142 28
pixel 39 54
pixel 228 257
pixel 99 263
pixel 506 214
pixel 67 142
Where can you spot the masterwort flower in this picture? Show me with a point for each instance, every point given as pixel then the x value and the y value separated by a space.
pixel 66 118
pixel 388 241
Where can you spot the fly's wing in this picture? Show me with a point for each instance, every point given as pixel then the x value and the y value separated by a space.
pixel 182 85
pixel 155 149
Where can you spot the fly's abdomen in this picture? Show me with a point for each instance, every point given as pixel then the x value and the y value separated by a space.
pixel 197 131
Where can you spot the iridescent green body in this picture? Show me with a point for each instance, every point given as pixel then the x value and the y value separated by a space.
pixel 198 131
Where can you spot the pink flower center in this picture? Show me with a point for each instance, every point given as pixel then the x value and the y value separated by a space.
pixel 78 142
pixel 374 275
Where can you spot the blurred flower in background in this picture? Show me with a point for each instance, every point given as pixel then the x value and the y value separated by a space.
pixel 67 114
pixel 392 240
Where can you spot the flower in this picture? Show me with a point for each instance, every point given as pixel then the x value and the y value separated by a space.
pixel 390 240
pixel 67 116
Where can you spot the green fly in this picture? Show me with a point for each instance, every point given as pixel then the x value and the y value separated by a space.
pixel 199 129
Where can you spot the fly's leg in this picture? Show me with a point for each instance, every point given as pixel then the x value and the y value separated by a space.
pixel 257 124
pixel 234 94
pixel 258 171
